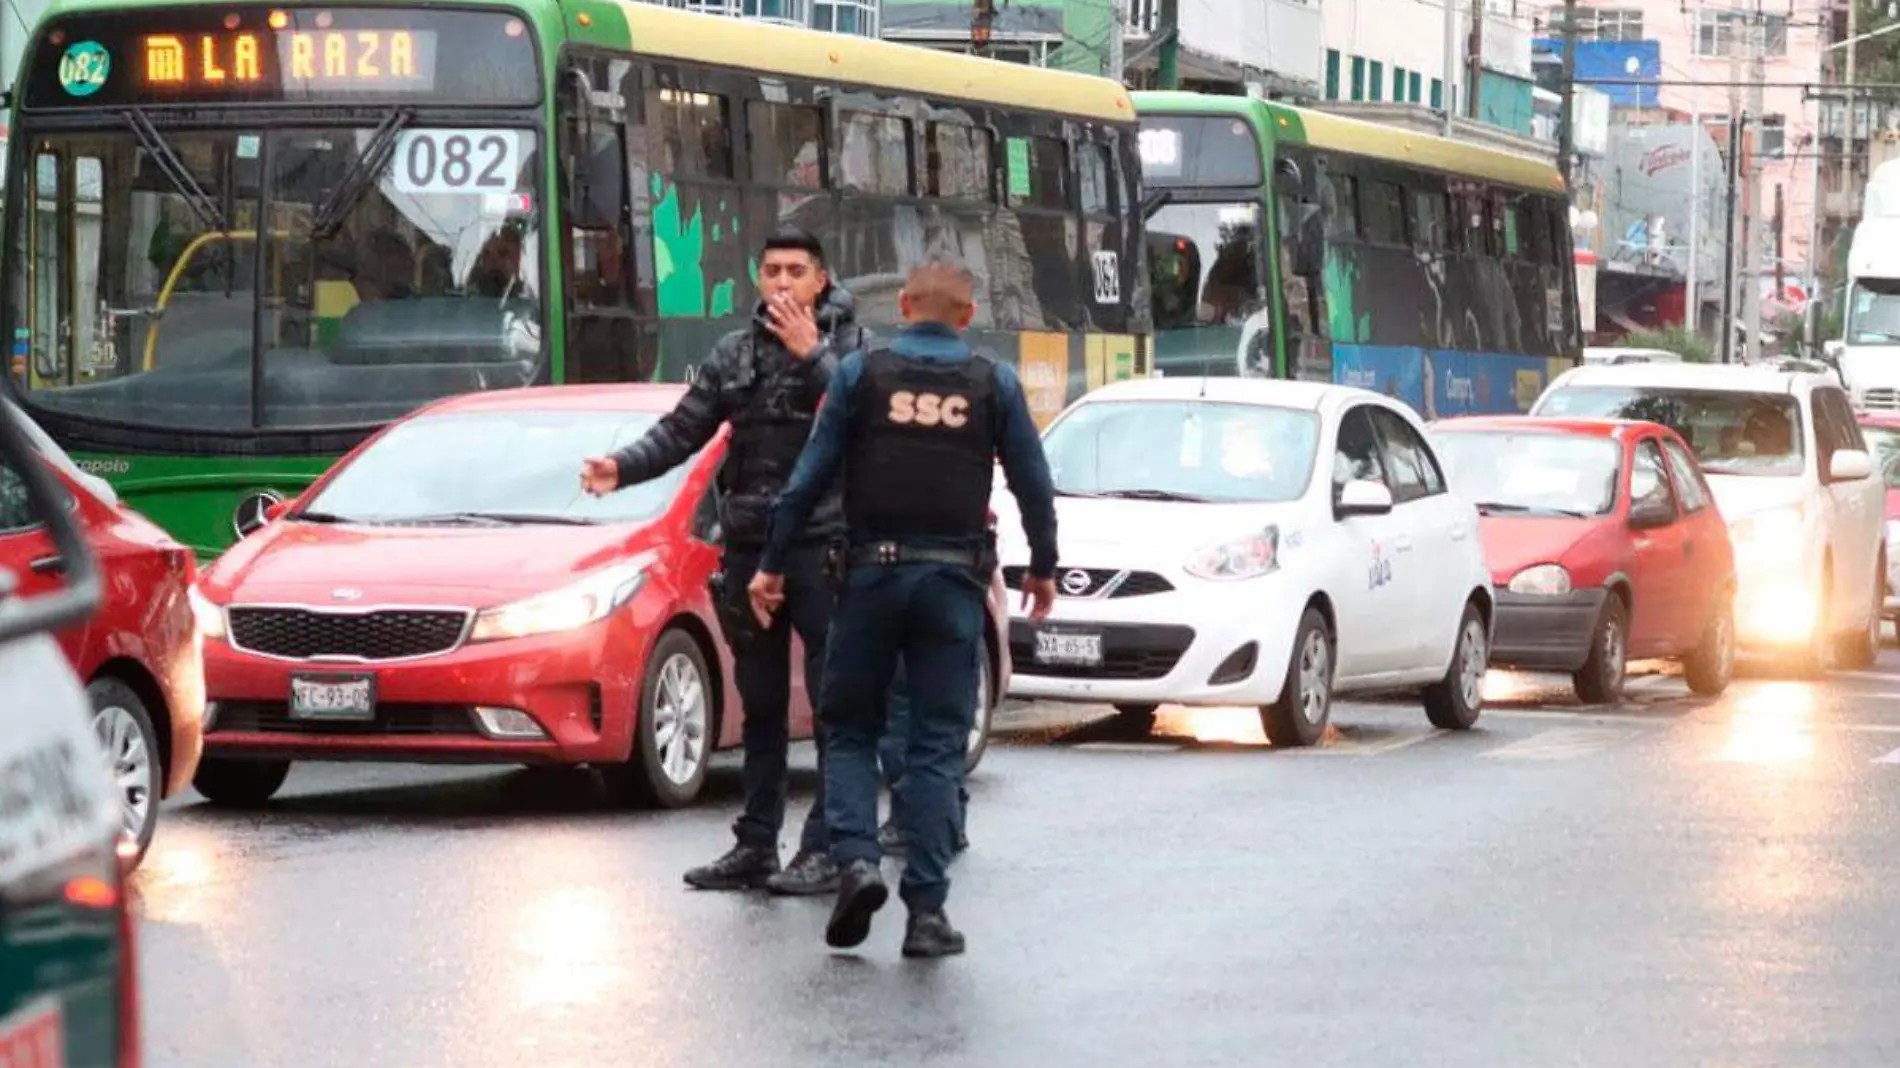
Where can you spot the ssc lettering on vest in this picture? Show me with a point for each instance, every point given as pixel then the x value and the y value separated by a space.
pixel 929 409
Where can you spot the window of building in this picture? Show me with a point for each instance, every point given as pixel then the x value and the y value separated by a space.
pixel 1375 81
pixel 845 16
pixel 1398 85
pixel 1416 96
pixel 1358 78
pixel 1771 137
pixel 1332 74
pixel 1598 23
pixel 1728 33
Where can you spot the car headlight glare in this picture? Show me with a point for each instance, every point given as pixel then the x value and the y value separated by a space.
pixel 210 617
pixel 1544 580
pixel 1247 557
pixel 1775 527
pixel 572 606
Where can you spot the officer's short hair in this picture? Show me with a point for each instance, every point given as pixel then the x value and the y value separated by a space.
pixel 793 239
pixel 941 282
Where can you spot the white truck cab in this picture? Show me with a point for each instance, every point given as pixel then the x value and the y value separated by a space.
pixel 1869 352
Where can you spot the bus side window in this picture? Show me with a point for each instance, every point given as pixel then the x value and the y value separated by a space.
pixel 602 336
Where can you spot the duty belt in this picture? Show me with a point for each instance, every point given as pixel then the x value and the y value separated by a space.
pixel 887 553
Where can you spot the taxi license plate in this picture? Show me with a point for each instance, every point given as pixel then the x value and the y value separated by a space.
pixel 333 697
pixel 1068 647
pixel 34 1037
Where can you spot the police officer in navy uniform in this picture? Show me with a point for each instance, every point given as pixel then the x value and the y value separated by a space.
pixel 917 429
pixel 766 380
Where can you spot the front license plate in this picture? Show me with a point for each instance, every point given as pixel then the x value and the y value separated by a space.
pixel 1058 647
pixel 34 1037
pixel 333 697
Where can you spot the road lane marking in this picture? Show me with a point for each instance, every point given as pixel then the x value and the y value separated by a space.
pixel 1560 743
pixel 1347 747
pixel 1889 758
pixel 1127 747
pixel 1653 719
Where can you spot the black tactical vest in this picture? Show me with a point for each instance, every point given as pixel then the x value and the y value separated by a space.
pixel 923 448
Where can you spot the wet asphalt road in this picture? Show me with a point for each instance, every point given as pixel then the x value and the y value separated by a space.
pixel 1672 882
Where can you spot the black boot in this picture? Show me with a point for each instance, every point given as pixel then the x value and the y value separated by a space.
pixel 742 868
pixel 929 934
pixel 861 892
pixel 810 872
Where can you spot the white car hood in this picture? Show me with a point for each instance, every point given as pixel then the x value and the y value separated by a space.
pixel 1109 532
pixel 1743 495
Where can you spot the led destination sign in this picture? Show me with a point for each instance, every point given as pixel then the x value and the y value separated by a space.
pixel 260 55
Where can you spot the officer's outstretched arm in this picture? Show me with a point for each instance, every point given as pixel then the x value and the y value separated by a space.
pixel 679 434
pixel 1026 466
pixel 817 466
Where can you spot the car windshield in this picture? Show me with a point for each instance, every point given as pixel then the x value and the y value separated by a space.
pixel 1884 443
pixel 492 467
pixel 1733 432
pixel 1183 450
pixel 1531 472
pixel 385 279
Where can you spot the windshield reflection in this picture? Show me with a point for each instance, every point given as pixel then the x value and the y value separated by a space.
pixel 1731 432
pixel 492 468
pixel 385 284
pixel 1537 472
pixel 1192 450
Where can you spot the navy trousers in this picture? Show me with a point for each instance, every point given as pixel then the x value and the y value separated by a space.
pixel 891 751
pixel 929 618
pixel 762 671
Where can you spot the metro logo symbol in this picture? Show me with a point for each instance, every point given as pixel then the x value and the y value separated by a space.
pixel 166 59
pixel 929 409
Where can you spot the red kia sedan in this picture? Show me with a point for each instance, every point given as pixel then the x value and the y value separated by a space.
pixel 139 653
pixel 1882 431
pixel 1604 544
pixel 447 594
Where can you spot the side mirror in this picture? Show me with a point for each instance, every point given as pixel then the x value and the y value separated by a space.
pixel 1849 465
pixel 1831 350
pixel 1360 497
pixel 1309 250
pixel 1651 512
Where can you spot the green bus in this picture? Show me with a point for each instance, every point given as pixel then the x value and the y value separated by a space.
pixel 1295 243
pixel 244 237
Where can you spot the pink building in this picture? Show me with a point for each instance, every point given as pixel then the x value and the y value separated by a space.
pixel 1714 43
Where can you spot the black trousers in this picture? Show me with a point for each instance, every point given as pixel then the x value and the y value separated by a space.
pixel 762 666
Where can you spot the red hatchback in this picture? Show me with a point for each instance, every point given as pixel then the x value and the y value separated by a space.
pixel 447 594
pixel 139 653
pixel 1604 544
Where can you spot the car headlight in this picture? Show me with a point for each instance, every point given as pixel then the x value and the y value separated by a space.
pixel 210 617
pixel 1544 580
pixel 1239 558
pixel 575 605
pixel 1776 527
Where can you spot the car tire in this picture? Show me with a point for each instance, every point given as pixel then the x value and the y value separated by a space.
pixel 1305 705
pixel 239 783
pixel 1600 680
pixel 985 715
pixel 124 727
pixel 1454 702
pixel 1861 648
pixel 1710 666
pixel 673 733
pixel 1136 718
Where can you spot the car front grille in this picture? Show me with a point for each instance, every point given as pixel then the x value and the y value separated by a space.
pixel 308 634
pixel 1884 400
pixel 1118 583
pixel 273 717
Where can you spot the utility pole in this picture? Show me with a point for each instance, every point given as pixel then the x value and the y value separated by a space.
pixel 1781 248
pixel 1735 123
pixel 1566 137
pixel 1847 138
pixel 1168 34
pixel 1117 58
pixel 1451 63
pixel 1474 61
pixel 1757 30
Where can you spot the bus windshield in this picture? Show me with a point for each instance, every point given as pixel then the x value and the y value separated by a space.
pixel 1210 297
pixel 366 269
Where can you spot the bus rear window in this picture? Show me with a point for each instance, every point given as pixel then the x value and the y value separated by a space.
pixel 1199 150
pixel 244 54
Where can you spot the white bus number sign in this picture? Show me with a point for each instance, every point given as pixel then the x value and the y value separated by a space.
pixel 457 161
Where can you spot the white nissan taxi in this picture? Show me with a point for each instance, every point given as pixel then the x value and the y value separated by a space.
pixel 1252 542
pixel 1784 456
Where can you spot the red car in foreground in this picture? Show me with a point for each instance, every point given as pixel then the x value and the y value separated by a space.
pixel 139 653
pixel 447 594
pixel 1604 543
pixel 1882 431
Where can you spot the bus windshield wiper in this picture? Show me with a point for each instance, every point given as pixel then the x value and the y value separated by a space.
pixel 367 168
pixel 175 170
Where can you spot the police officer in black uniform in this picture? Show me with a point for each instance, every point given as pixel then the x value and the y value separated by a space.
pixel 917 429
pixel 766 380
